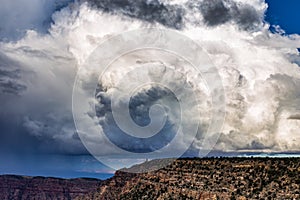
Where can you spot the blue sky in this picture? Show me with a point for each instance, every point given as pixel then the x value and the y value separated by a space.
pixel 286 14
pixel 65 166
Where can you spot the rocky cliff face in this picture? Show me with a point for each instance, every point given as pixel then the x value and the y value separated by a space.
pixel 14 187
pixel 210 178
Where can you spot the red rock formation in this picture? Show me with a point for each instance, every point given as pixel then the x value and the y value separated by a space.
pixel 44 188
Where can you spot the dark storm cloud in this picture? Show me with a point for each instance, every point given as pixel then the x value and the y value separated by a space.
pixel 31 122
pixel 217 12
pixel 10 76
pixel 37 137
pixel 11 86
pixel 214 12
pixel 151 11
pixel 247 17
pixel 139 106
pixel 22 134
pixel 294 117
pixel 55 133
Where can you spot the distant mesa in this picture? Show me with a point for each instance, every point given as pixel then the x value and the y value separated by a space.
pixel 44 188
pixel 294 117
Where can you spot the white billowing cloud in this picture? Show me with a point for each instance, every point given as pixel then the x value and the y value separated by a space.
pixel 261 88
pixel 261 83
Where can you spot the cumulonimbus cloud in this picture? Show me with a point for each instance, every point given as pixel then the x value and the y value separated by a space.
pixel 258 69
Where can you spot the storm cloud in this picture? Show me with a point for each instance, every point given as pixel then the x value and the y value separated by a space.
pixel 10 76
pixel 151 11
pixel 217 12
pixel 214 12
pixel 259 70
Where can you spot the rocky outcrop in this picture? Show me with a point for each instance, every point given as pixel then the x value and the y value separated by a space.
pixel 14 187
pixel 209 178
